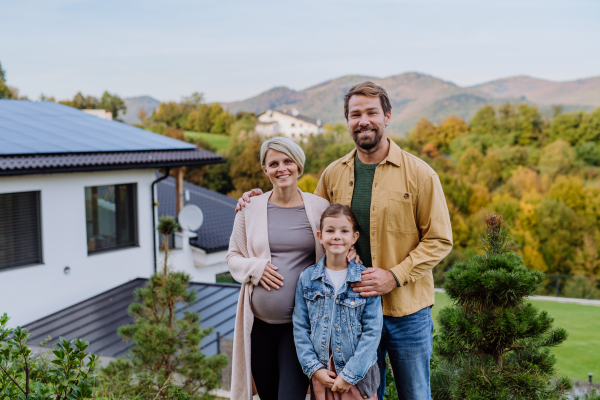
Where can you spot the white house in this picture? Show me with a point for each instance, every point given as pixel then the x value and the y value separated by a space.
pixel 292 125
pixel 77 206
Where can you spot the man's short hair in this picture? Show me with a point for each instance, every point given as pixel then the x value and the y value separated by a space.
pixel 368 89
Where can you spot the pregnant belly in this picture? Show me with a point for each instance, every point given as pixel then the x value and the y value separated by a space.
pixel 274 306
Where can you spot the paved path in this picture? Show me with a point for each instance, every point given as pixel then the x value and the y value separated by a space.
pixel 584 302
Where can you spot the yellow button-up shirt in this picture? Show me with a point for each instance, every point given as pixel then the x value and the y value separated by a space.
pixel 410 224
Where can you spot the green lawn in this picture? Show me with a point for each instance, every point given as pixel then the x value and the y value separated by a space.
pixel 219 141
pixel 580 354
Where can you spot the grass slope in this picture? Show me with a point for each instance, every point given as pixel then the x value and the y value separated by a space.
pixel 219 141
pixel 580 354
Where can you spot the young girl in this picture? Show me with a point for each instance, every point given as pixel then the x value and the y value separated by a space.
pixel 337 331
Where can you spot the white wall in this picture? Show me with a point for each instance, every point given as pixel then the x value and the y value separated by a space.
pixel 29 293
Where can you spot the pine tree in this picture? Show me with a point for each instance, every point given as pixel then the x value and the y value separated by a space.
pixel 166 358
pixel 492 343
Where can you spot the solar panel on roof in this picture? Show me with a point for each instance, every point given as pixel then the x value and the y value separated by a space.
pixel 44 127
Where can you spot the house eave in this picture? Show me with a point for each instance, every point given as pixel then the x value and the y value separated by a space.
pixel 211 250
pixel 66 163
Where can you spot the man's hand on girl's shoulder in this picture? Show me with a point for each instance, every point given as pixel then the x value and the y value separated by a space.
pixel 245 199
pixel 375 282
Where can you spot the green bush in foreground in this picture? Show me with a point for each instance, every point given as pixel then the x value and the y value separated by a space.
pixel 24 375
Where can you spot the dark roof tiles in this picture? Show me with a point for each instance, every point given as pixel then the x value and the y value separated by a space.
pixel 218 210
pixel 29 164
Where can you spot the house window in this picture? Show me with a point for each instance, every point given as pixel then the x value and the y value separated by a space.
pixel 111 217
pixel 20 229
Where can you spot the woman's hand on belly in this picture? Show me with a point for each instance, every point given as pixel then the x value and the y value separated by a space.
pixel 271 277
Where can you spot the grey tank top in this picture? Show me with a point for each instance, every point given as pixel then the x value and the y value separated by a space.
pixel 292 245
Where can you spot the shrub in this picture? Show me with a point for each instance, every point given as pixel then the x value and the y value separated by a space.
pixel 491 343
pixel 24 375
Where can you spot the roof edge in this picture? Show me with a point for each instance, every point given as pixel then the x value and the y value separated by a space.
pixel 116 167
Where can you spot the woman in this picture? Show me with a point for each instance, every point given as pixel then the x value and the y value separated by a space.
pixel 274 239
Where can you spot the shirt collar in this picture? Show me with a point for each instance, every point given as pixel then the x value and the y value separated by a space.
pixel 394 155
pixel 354 271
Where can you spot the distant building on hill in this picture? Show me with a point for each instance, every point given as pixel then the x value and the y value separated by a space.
pixel 100 113
pixel 290 124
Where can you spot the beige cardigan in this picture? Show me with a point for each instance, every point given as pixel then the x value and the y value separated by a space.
pixel 247 258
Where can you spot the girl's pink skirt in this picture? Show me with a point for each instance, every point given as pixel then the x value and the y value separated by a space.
pixel 323 393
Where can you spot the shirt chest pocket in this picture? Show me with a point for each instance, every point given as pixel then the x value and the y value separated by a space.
pixel 401 213
pixel 351 310
pixel 314 302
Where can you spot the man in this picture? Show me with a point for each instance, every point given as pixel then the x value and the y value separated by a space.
pixel 404 232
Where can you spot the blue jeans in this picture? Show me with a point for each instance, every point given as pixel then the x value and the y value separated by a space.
pixel 409 342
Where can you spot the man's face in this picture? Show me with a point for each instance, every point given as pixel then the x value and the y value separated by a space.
pixel 366 121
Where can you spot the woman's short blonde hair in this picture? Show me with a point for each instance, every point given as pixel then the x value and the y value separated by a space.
pixel 286 146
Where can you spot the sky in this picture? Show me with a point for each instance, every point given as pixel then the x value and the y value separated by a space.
pixel 234 49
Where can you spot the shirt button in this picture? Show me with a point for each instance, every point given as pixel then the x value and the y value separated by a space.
pixel 405 283
pixel 337 302
pixel 335 325
pixel 326 319
pixel 337 349
pixel 331 193
pixel 323 342
pixel 365 396
pixel 351 183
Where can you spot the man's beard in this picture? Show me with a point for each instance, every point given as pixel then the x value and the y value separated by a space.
pixel 368 143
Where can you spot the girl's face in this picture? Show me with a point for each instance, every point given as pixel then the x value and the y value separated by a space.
pixel 337 235
pixel 281 169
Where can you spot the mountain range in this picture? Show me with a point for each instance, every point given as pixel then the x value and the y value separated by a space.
pixel 415 95
pixel 137 104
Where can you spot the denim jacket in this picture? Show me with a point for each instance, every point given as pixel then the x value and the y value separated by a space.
pixel 351 324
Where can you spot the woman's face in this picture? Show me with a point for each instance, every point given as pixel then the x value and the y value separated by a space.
pixel 281 169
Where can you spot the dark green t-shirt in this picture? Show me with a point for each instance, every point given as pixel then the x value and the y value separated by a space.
pixel 361 205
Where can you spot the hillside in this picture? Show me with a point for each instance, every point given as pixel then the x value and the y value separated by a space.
pixel 584 92
pixel 414 95
pixel 135 105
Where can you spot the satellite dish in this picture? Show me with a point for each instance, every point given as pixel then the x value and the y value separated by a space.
pixel 191 217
